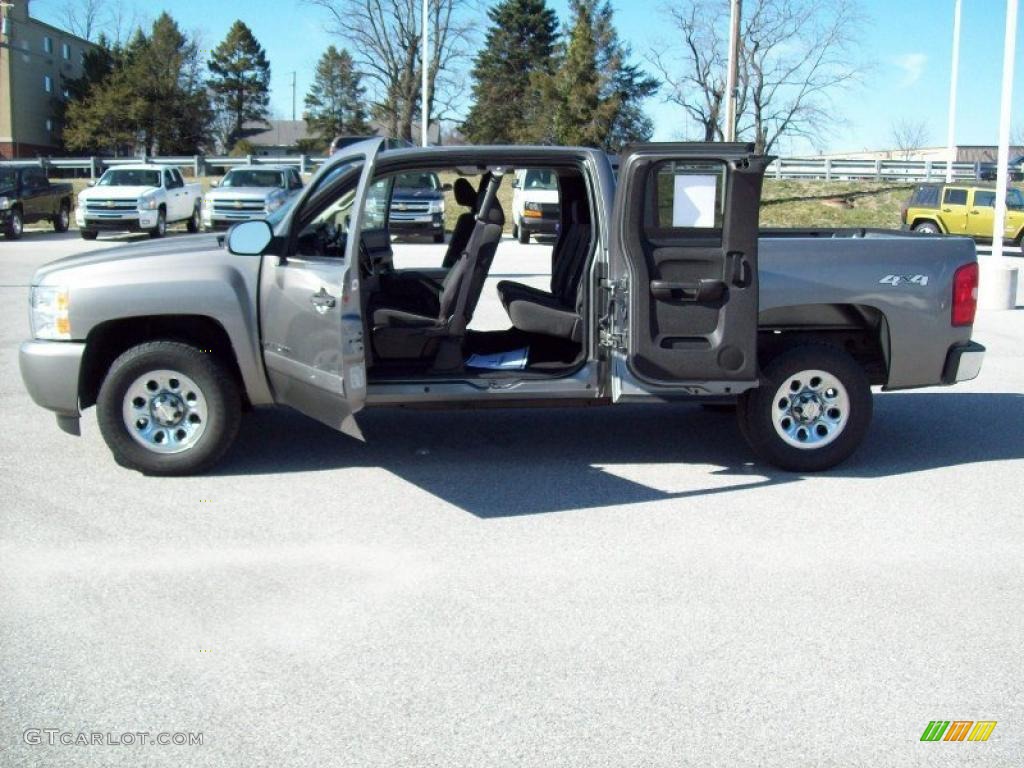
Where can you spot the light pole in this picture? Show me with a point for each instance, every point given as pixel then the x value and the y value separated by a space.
pixel 954 75
pixel 424 117
pixel 1003 155
pixel 731 77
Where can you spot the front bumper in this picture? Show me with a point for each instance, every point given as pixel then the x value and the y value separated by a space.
pixel 963 362
pixel 433 222
pixel 539 226
pixel 138 222
pixel 50 370
pixel 216 221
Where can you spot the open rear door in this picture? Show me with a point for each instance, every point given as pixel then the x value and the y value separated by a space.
pixel 310 309
pixel 683 270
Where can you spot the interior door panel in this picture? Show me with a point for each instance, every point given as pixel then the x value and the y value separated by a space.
pixel 688 215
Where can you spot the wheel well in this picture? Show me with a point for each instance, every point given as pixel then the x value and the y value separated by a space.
pixel 921 219
pixel 860 330
pixel 107 341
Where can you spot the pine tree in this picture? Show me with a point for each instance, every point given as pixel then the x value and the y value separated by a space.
pixel 335 104
pixel 519 44
pixel 150 100
pixel 239 81
pixel 624 83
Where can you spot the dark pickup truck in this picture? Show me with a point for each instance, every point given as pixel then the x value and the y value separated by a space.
pixel 27 196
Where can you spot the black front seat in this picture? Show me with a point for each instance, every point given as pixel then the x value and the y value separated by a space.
pixel 399 334
pixel 557 312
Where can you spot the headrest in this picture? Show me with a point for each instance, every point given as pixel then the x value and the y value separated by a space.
pixel 465 195
pixel 495 215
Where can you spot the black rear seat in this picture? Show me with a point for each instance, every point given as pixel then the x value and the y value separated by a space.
pixel 557 312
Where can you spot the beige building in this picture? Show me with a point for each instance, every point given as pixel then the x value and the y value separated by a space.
pixel 36 62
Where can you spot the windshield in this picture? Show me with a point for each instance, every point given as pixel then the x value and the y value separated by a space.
pixel 250 178
pixel 127 177
pixel 417 181
pixel 6 177
pixel 540 180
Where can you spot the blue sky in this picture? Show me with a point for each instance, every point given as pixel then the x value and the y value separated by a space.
pixel 906 42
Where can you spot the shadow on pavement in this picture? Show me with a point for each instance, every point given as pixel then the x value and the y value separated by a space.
pixel 515 462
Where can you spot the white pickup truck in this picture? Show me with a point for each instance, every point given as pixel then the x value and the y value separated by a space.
pixel 138 198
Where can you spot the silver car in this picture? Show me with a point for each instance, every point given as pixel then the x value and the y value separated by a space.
pixel 249 192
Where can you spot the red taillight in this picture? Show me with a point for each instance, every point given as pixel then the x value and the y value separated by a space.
pixel 965 294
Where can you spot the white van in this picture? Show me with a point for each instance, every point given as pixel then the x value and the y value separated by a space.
pixel 535 208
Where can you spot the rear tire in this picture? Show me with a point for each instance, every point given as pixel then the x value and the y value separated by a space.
pixel 88 234
pixel 15 225
pixel 811 411
pixel 193 222
pixel 62 220
pixel 165 408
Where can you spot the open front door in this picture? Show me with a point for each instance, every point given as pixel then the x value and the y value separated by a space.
pixel 683 269
pixel 310 309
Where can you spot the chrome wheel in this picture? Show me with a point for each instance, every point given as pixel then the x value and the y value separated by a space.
pixel 165 411
pixel 811 409
pixel 16 224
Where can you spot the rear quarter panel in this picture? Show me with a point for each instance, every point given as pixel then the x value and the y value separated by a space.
pixel 861 270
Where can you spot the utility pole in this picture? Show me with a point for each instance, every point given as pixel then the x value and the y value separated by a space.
pixel 424 117
pixel 732 76
pixel 293 96
pixel 954 76
pixel 1003 156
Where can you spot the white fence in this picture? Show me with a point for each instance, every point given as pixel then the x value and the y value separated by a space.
pixel 828 169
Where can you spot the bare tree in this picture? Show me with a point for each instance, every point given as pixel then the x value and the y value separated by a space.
pixel 795 53
pixel 82 17
pixel 695 78
pixel 384 37
pixel 909 135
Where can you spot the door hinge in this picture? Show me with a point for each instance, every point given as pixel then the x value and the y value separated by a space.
pixel 612 325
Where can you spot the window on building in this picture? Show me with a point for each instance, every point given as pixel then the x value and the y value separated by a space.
pixel 47 83
pixel 65 51
pixel 48 44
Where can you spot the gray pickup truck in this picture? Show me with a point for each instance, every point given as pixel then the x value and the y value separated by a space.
pixel 662 289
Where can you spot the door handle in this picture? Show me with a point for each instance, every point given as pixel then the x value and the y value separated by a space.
pixel 323 301
pixel 975 213
pixel 947 210
pixel 698 291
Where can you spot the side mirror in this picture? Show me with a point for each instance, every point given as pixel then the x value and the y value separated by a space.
pixel 91 183
pixel 215 183
pixel 446 187
pixel 250 238
pixel 515 183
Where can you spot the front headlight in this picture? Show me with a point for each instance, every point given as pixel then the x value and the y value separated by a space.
pixel 274 203
pixel 147 203
pixel 437 206
pixel 5 203
pixel 48 313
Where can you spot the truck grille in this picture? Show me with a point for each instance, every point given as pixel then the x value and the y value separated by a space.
pixel 228 207
pixel 549 210
pixel 111 206
pixel 400 210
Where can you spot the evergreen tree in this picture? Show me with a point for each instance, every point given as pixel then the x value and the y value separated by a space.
pixel 624 83
pixel 239 81
pixel 520 43
pixel 335 103
pixel 150 100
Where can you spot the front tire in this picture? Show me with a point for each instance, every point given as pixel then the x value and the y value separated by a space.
pixel 439 237
pixel 811 411
pixel 927 227
pixel 165 408
pixel 62 220
pixel 523 235
pixel 161 225
pixel 88 234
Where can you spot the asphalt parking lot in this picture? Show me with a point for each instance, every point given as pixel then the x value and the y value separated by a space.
pixel 594 587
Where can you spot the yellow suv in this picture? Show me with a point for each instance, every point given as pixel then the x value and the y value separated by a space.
pixel 962 209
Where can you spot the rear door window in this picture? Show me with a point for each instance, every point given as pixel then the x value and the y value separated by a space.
pixel 955 197
pixel 687 198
